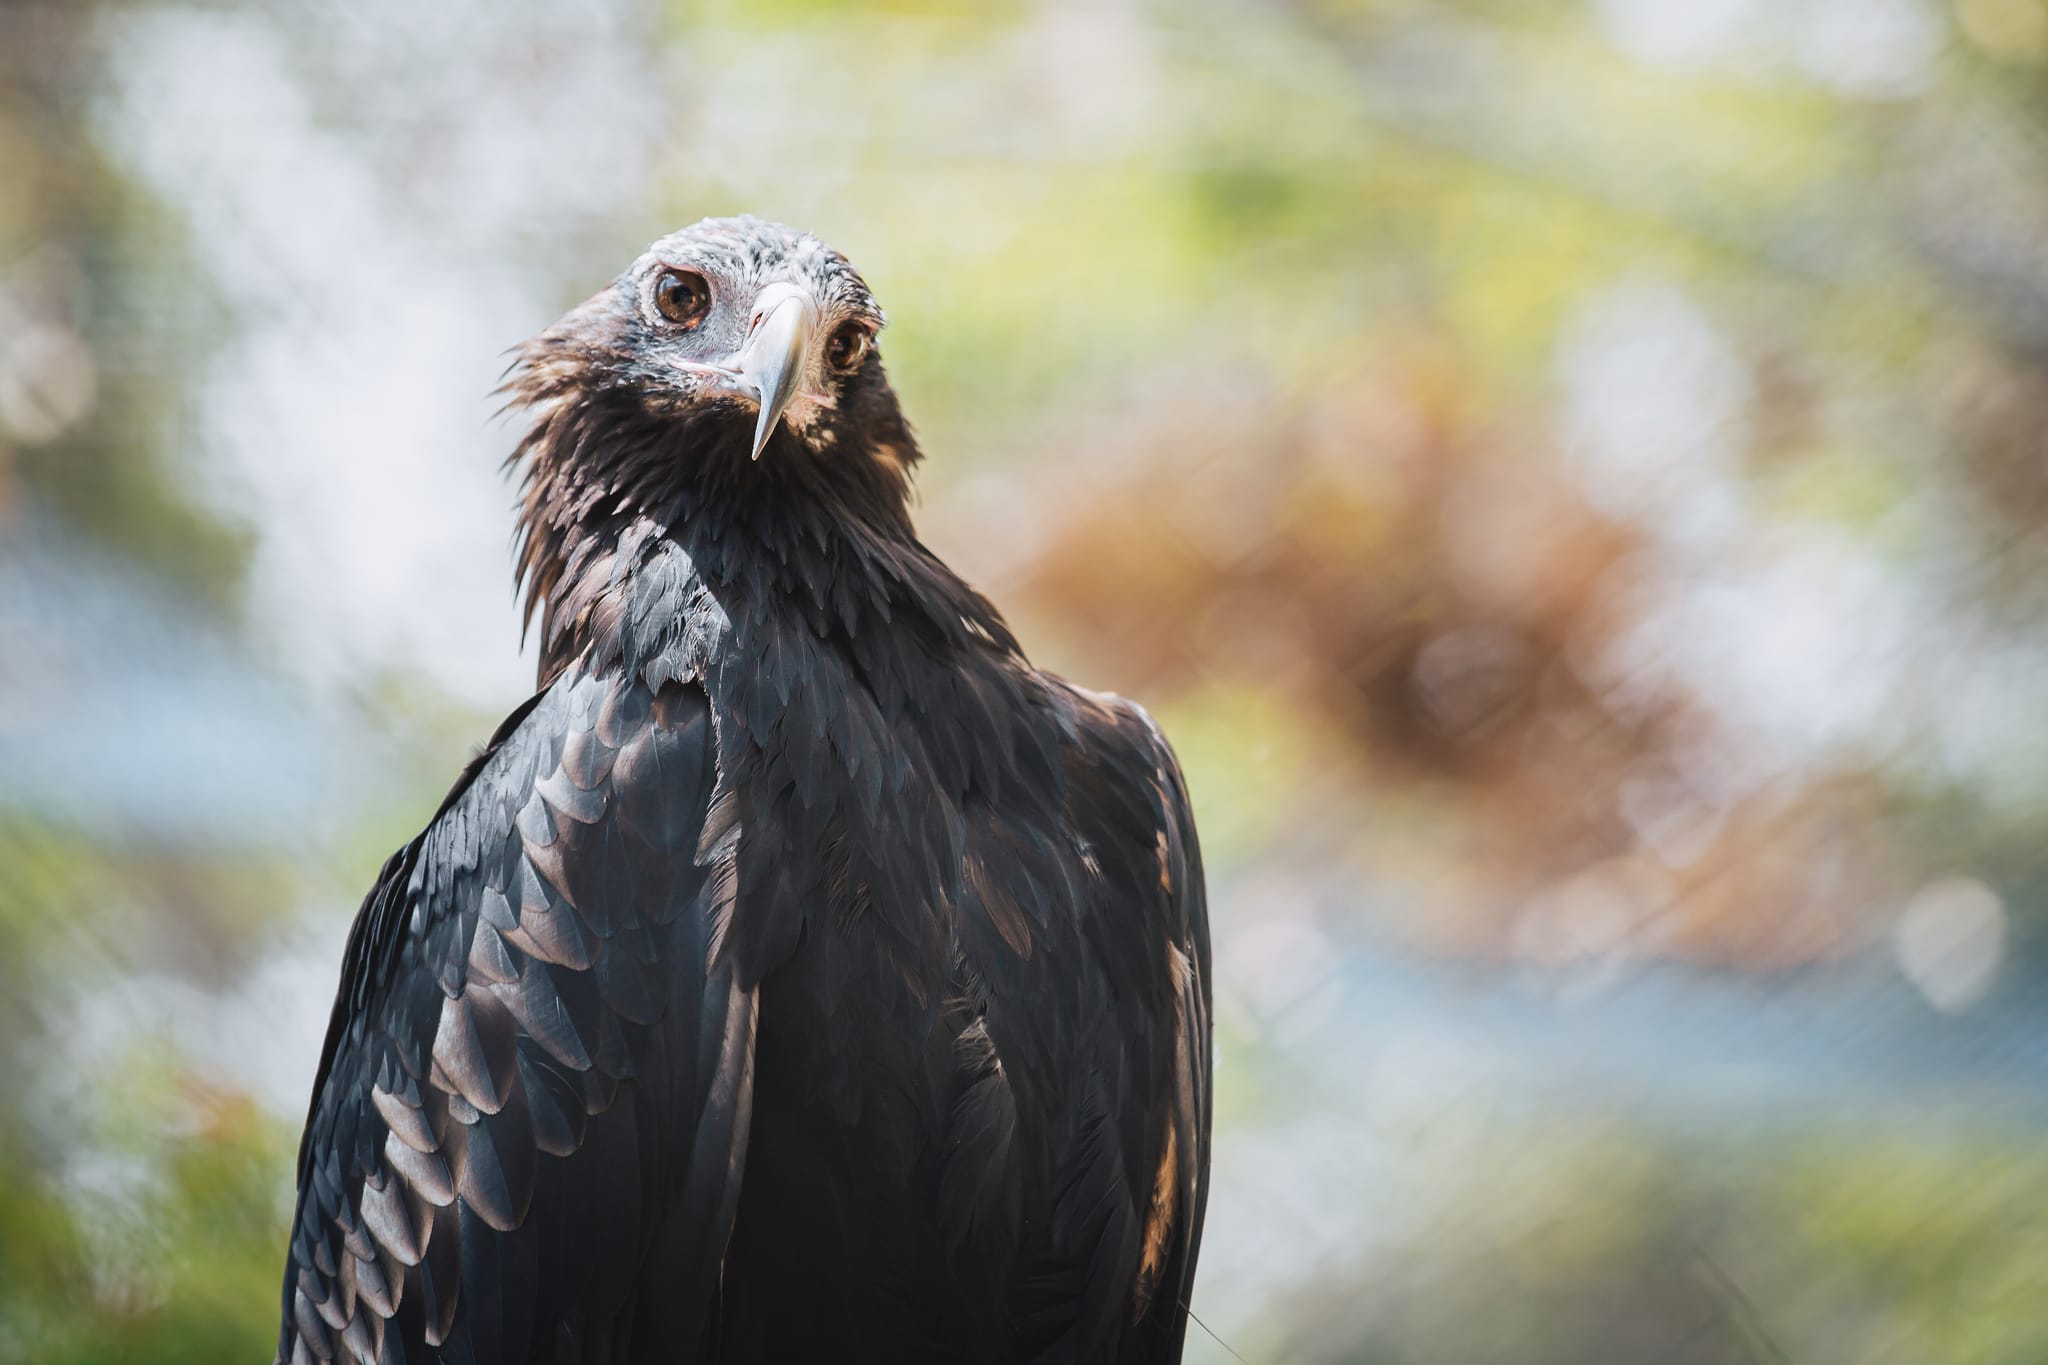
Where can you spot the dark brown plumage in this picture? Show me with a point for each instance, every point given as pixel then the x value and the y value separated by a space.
pixel 800 974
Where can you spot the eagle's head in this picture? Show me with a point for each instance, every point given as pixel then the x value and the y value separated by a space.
pixel 726 387
pixel 734 335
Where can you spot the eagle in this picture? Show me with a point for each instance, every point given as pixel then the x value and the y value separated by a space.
pixel 799 974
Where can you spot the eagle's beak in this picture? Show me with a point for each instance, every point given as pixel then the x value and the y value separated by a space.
pixel 775 359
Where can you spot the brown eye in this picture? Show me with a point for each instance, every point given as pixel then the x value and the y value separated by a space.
pixel 683 297
pixel 849 347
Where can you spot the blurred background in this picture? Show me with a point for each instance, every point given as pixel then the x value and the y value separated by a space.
pixel 1570 475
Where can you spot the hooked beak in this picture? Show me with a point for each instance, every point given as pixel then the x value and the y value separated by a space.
pixel 770 365
pixel 773 362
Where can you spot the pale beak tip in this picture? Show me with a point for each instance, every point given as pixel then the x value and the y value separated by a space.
pixel 773 358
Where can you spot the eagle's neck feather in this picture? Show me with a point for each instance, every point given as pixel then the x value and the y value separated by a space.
pixel 637 535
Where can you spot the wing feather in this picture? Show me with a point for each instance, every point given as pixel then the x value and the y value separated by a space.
pixel 1148 926
pixel 530 1118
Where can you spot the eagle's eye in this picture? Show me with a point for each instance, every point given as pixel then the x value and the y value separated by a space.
pixel 849 347
pixel 682 296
